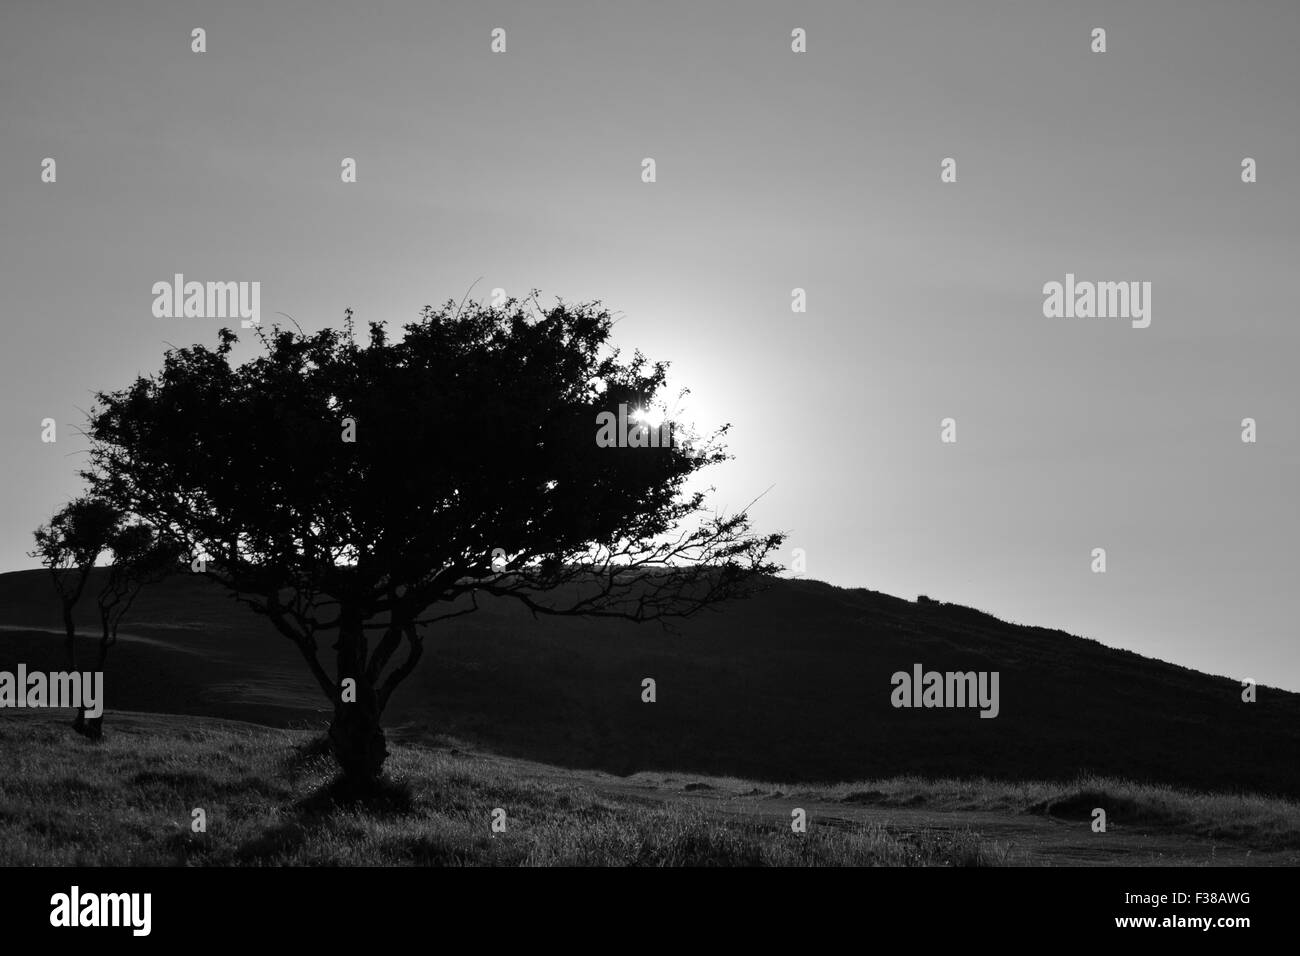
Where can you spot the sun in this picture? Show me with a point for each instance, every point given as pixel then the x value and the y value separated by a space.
pixel 650 417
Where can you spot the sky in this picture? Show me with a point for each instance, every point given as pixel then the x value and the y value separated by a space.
pixel 775 170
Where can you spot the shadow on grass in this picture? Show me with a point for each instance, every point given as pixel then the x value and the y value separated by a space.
pixel 283 840
pixel 383 797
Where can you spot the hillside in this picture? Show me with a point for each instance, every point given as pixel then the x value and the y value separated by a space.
pixel 793 686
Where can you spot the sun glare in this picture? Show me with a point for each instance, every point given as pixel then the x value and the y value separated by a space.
pixel 651 418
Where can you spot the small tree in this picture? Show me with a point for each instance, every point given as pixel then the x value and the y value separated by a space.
pixel 140 557
pixel 68 546
pixel 353 489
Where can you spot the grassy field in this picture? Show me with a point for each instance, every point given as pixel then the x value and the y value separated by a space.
pixel 266 793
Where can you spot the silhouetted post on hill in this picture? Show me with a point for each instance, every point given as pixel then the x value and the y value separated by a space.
pixel 367 491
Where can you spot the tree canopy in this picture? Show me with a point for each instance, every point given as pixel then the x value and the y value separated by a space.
pixel 332 484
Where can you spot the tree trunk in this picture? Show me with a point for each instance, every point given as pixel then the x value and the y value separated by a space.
pixel 357 740
pixel 355 735
pixel 93 727
pixel 70 646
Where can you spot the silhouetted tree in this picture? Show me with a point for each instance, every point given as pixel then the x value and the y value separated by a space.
pixel 140 557
pixel 68 546
pixel 364 491
pixel 76 537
